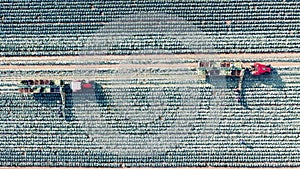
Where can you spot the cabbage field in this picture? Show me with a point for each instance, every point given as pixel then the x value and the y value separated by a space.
pixel 149 107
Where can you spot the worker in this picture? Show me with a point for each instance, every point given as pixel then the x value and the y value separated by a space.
pixel 247 145
pixel 231 65
pixel 60 113
pixel 242 142
pixel 238 98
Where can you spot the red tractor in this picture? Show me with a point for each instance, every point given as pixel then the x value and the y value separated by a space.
pixel 260 69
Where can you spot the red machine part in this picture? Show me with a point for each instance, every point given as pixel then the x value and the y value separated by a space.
pixel 87 86
pixel 260 69
pixel 79 85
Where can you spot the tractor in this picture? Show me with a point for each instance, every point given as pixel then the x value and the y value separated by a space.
pixel 260 69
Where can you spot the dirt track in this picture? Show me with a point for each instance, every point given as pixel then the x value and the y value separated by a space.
pixel 113 62
pixel 122 58
pixel 176 56
pixel 136 168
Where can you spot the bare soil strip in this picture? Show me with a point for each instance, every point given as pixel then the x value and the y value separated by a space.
pixel 108 66
pixel 116 66
pixel 141 168
pixel 141 57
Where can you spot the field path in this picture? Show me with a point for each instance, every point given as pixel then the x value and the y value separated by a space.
pixel 140 57
pixel 113 61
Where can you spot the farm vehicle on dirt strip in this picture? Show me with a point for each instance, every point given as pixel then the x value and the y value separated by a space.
pixel 217 70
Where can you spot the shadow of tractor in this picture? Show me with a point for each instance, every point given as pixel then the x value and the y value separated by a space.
pixel 95 95
pixel 271 80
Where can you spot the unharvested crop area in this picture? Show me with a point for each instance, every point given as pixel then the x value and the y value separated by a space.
pixel 151 111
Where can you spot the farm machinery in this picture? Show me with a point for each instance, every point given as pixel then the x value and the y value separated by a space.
pixel 233 70
pixel 59 87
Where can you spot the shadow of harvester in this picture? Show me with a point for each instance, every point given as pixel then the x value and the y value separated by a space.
pixel 95 95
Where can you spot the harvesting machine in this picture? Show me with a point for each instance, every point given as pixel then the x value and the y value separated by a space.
pixel 232 69
pixel 60 87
